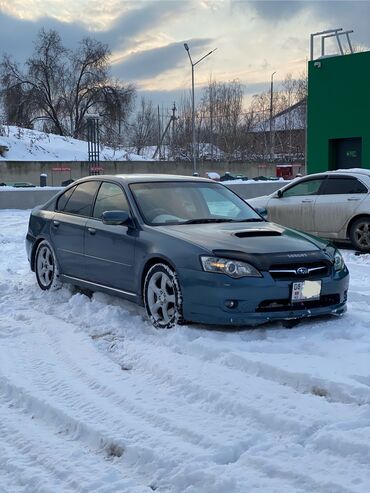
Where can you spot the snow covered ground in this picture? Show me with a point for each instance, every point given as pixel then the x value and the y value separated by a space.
pixel 93 399
pixel 32 145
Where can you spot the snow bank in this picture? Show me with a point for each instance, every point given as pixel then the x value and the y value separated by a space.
pixel 32 145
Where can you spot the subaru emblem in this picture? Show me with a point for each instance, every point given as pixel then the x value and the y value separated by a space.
pixel 302 271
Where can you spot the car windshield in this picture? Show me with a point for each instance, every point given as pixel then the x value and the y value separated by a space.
pixel 190 203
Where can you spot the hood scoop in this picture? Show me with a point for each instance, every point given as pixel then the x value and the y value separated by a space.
pixel 250 233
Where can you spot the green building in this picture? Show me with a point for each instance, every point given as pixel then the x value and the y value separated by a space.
pixel 338 118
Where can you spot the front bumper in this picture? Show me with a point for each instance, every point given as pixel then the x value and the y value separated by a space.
pixel 258 300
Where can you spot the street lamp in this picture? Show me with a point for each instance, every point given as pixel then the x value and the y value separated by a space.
pixel 186 46
pixel 271 107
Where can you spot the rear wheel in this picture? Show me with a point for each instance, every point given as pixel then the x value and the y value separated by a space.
pixel 360 234
pixel 162 297
pixel 46 267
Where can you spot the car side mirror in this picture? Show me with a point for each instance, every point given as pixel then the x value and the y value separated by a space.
pixel 115 218
pixel 262 211
pixel 279 194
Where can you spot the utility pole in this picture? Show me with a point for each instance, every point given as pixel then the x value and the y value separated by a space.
pixel 193 102
pixel 271 111
pixel 159 133
pixel 172 120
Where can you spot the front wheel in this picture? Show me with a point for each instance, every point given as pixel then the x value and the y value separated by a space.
pixel 46 267
pixel 360 234
pixel 162 297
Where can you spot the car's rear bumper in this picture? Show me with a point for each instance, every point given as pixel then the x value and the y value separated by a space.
pixel 258 300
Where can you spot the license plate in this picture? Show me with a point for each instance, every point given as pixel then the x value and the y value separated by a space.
pixel 306 290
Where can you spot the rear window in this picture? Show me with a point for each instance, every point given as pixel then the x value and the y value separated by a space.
pixel 63 199
pixel 81 199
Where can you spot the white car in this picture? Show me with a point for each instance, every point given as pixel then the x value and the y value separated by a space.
pixel 334 204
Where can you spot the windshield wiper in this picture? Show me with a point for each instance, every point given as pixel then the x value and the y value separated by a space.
pixel 250 220
pixel 207 220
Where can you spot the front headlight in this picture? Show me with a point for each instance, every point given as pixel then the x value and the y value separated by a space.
pixel 232 268
pixel 338 261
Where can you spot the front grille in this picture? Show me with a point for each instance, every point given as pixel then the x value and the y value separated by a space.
pixel 315 270
pixel 286 304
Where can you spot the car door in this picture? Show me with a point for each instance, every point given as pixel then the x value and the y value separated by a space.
pixel 68 227
pixel 340 196
pixel 294 207
pixel 110 249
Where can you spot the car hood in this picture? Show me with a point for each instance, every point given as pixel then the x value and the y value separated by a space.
pixel 253 238
pixel 259 201
pixel 262 244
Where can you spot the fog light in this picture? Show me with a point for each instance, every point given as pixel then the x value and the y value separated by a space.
pixel 231 303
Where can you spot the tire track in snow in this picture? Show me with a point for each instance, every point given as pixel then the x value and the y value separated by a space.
pixel 202 392
pixel 227 462
pixel 57 386
pixel 35 458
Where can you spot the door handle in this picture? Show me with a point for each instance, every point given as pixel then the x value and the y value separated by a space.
pixel 307 201
pixel 92 231
pixel 352 199
pixel 56 224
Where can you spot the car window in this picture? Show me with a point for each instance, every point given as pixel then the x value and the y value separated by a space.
pixel 63 199
pixel 218 204
pixel 110 197
pixel 306 187
pixel 181 202
pixel 342 185
pixel 82 199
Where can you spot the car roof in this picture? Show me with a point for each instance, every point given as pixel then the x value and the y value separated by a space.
pixel 144 178
pixel 353 171
pixel 346 171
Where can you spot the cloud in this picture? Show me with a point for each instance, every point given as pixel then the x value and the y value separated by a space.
pixel 149 63
pixel 17 35
pixel 143 19
pixel 273 10
pixel 349 14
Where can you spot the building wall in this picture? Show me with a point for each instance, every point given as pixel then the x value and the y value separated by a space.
pixel 338 106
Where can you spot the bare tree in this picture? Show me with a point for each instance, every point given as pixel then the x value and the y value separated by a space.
pixel 61 86
pixel 223 110
pixel 144 128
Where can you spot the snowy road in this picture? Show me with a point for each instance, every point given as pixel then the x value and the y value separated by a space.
pixel 93 399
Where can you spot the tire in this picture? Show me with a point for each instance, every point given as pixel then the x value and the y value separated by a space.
pixel 360 234
pixel 162 297
pixel 46 267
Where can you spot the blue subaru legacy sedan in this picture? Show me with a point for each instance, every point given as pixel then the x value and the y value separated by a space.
pixel 188 249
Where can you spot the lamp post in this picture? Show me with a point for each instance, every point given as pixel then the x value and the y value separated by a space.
pixel 271 108
pixel 186 46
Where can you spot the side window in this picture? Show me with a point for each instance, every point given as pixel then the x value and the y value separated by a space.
pixel 306 187
pixel 63 199
pixel 81 200
pixel 110 198
pixel 342 185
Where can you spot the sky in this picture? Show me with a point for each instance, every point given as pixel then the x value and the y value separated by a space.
pixel 146 37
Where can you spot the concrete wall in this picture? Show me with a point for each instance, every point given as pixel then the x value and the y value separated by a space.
pixel 28 198
pixel 251 190
pixel 25 198
pixel 29 171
